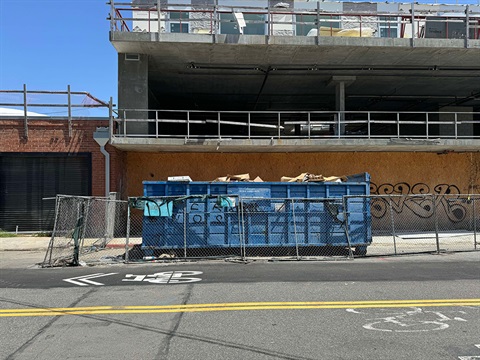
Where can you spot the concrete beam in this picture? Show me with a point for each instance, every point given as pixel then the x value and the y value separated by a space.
pixel 295 145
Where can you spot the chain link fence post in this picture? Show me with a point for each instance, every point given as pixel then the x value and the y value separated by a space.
pixel 49 252
pixel 294 229
pixel 185 228
pixel 475 223
pixel 242 221
pixel 435 216
pixel 240 235
pixel 393 226
pixel 346 227
pixel 127 234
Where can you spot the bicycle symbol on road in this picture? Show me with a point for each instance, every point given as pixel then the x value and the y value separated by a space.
pixel 166 277
pixel 413 320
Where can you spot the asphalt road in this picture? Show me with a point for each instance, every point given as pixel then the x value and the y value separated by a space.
pixel 384 308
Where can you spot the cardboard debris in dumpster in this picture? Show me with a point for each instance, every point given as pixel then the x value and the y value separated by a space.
pixel 307 177
pixel 235 178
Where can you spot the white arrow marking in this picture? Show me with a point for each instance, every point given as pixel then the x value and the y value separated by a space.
pixel 477 345
pixel 469 357
pixel 85 278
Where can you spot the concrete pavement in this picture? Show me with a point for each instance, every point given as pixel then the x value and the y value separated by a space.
pixel 24 243
pixel 22 252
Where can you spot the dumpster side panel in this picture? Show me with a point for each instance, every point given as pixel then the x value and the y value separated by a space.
pixel 274 214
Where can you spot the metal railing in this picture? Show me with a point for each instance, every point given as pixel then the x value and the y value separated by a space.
pixel 221 125
pixel 52 104
pixel 415 21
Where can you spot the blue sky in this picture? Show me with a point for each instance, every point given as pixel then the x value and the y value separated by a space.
pixel 48 44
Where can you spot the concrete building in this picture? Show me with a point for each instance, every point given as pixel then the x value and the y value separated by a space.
pixel 274 88
pixel 208 88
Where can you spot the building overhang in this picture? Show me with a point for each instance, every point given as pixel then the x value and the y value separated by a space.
pixel 230 145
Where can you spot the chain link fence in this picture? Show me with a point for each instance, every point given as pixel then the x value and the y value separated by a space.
pixel 403 224
pixel 102 230
pixel 87 230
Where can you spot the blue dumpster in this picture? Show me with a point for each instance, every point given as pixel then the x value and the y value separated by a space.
pixel 220 215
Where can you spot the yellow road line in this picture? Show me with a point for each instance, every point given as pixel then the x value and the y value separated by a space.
pixel 274 303
pixel 248 306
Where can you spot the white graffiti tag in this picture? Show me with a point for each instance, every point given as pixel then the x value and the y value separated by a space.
pixel 167 277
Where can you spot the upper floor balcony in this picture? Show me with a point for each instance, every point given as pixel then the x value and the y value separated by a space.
pixel 295 131
pixel 300 22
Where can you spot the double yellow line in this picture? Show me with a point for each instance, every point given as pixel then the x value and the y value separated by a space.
pixel 243 306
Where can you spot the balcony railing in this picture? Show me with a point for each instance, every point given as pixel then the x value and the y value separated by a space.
pixel 331 20
pixel 69 105
pixel 195 125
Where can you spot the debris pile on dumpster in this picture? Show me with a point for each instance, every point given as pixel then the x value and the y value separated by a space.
pixel 303 177
pixel 235 178
pixel 307 177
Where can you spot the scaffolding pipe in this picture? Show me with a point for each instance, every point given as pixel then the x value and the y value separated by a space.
pixel 69 100
pixel 25 118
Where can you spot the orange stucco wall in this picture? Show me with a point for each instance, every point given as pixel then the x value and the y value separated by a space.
pixel 460 171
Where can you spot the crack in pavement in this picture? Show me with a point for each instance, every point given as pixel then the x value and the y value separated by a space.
pixel 31 341
pixel 164 349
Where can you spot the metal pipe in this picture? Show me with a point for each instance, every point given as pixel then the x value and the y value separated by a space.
pixel 456 126
pixel 127 240
pixel 185 229
pixel 110 117
pixel 295 230
pixel 393 226
pixel 437 240
pixel 49 252
pixel 345 226
pixel 279 123
pixel 25 118
pixel 369 125
pixel 413 22
pixel 159 15
pixel 426 124
pixel 475 224
pixel 398 125
pixel 467 25
pixel 107 169
pixel 112 16
pixel 309 125
pixel 69 100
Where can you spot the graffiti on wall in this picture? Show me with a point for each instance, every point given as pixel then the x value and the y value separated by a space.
pixel 421 205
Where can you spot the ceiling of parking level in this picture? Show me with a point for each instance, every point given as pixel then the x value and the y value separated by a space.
pixel 186 75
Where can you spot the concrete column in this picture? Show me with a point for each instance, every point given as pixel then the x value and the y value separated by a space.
pixel 133 90
pixel 340 83
pixel 340 106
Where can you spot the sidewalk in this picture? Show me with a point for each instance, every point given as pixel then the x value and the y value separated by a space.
pixel 24 243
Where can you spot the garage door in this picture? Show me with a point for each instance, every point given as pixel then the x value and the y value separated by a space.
pixel 26 178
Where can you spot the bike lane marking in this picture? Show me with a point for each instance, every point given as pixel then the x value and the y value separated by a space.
pixel 414 319
pixel 244 306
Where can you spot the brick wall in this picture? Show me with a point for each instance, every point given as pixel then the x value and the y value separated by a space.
pixel 48 135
